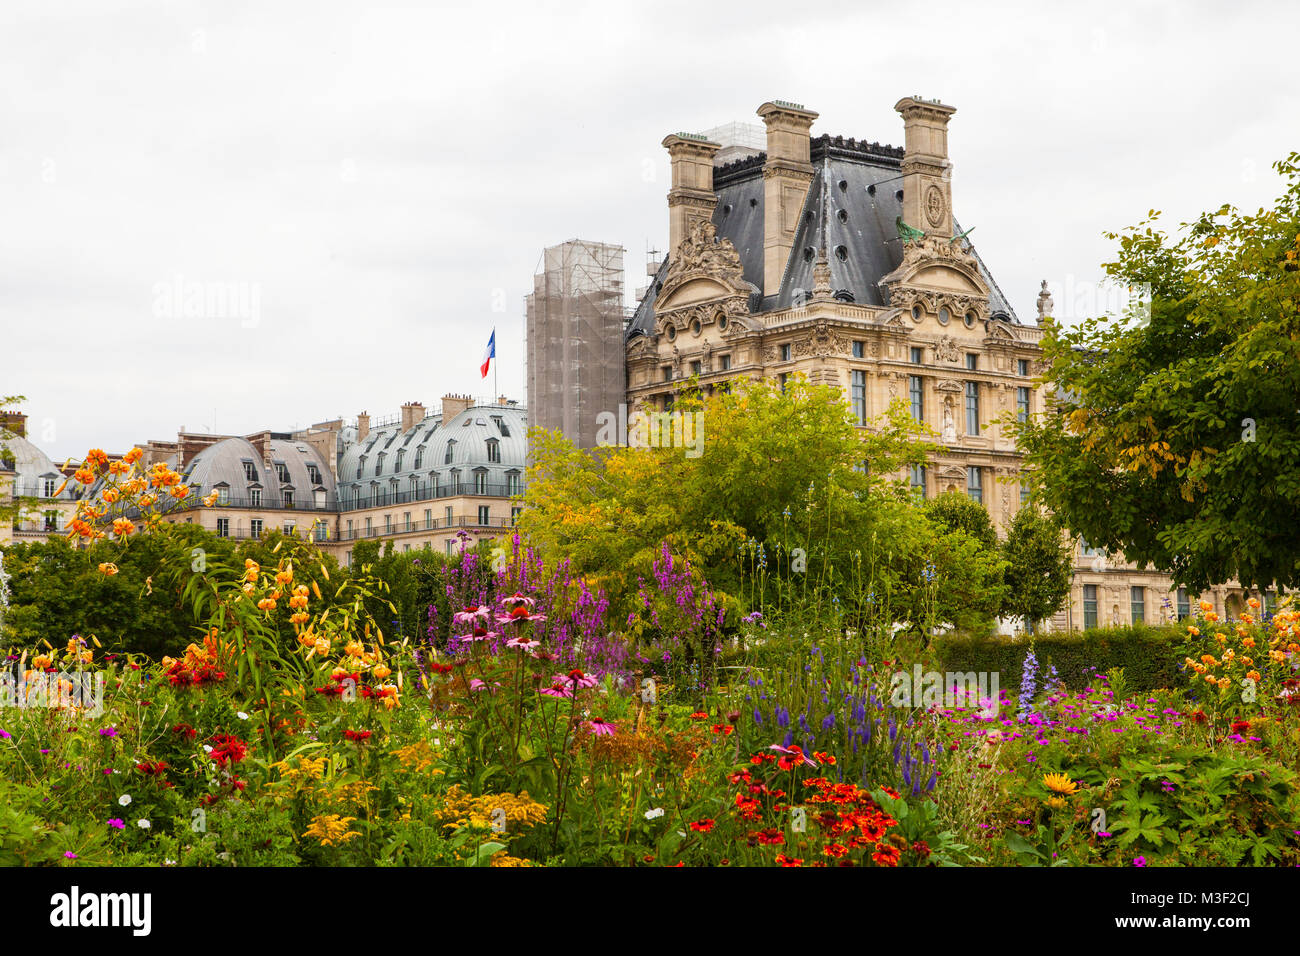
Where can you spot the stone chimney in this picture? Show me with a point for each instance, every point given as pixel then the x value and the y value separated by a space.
pixel 787 171
pixel 412 415
pixel 453 405
pixel 363 426
pixel 927 173
pixel 15 422
pixel 691 197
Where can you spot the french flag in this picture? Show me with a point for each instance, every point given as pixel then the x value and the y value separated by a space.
pixel 489 353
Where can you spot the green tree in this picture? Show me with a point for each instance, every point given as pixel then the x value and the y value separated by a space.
pixel 955 511
pixel 1040 567
pixel 1176 436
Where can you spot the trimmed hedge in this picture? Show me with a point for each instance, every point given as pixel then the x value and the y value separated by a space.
pixel 1149 655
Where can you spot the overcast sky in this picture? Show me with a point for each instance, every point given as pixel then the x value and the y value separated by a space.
pixel 377 181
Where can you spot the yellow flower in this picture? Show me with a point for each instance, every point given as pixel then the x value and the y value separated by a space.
pixel 1194 631
pixel 108 568
pixel 1057 803
pixel 1206 605
pixel 331 829
pixel 381 672
pixel 1060 783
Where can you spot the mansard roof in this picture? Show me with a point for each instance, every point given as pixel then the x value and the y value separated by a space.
pixel 850 209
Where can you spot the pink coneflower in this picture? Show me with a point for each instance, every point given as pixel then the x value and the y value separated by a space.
pixel 601 728
pixel 575 679
pixel 517 600
pixel 471 614
pixel 479 635
pixel 522 643
pixel 476 685
pixel 557 690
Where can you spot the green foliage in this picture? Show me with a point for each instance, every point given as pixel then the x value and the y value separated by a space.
pixel 1040 567
pixel 1177 441
pixel 1147 654
pixel 955 511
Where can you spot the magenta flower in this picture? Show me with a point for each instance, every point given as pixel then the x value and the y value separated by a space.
pixel 108 732
pixel 70 855
pixel 1139 861
pixel 471 615
pixel 557 690
pixel 601 728
pixel 575 678
pixel 522 643
pixel 117 824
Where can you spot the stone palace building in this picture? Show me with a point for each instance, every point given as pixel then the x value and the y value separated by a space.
pixel 843 260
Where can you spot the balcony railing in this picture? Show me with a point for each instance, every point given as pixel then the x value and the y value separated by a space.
pixel 434 524
pixel 425 493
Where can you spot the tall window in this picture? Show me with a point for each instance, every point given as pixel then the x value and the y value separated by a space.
pixel 512 483
pixel 860 396
pixel 724 363
pixel 451 450
pixel 388 524
pixel 696 367
pixel 1089 605
pixel 918 355
pixel 406 521
pixel 223 495
pixel 419 456
pixel 483 517
pixel 783 378
pixel 370 527
pixel 447 515
pixel 1024 494
pixel 857 349
pixel 972 408
pixel 288 499
pixel 918 479
pixel 1184 604
pixel 255 527
pixel 250 471
pixel 480 482
pixel 255 497
pixel 785 352
pixel 494 450
pixel 428 518
pixel 972 361
pixel 668 373
pixel 1022 368
pixel 914 388
pixel 47 488
pixel 1138 604
pixel 282 471
pixel 975 484
pixel 1022 404
pixel 401 453
pixel 223 527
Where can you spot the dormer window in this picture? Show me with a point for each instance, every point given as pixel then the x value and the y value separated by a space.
pixel 282 471
pixel 250 470
pixel 419 456
pixel 361 466
pixel 493 450
pixel 451 450
pixel 379 464
pixel 502 427
pixel 401 453
pixel 223 493
pixel 314 474
pixel 480 481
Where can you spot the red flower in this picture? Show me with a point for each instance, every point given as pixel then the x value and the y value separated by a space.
pixel 1240 726
pixel 699 715
pixel 228 749
pixel 723 729
pixel 357 734
pixel 824 758
pixel 886 855
pixel 784 860
pixel 702 826
pixel 185 729
pixel 835 850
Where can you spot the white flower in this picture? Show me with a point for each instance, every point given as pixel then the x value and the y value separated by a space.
pixel 124 799
pixel 169 862
pixel 143 824
pixel 241 715
pixel 207 748
pixel 655 813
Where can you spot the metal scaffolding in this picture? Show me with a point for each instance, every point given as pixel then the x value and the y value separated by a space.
pixel 575 339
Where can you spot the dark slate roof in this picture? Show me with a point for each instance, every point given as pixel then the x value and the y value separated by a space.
pixel 850 210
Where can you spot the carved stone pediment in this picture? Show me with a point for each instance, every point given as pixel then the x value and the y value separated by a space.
pixel 952 473
pixel 948 385
pixel 703 268
pixel 1000 332
pixel 936 273
pixel 895 319
pixel 823 340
